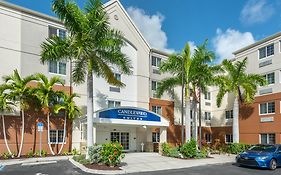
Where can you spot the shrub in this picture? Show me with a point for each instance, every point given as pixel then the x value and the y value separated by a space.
pixel 189 149
pixel 29 154
pixel 6 155
pixel 236 148
pixel 75 152
pixel 95 154
pixel 43 153
pixel 166 149
pixel 112 153
pixel 81 159
pixel 174 152
pixel 65 153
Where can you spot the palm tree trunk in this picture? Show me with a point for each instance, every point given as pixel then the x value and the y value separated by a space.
pixel 48 122
pixel 90 111
pixel 22 132
pixel 235 121
pixel 187 119
pixel 195 128
pixel 200 120
pixel 64 131
pixel 4 134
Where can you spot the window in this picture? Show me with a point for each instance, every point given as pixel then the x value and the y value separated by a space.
pixel 155 137
pixel 57 67
pixel 114 88
pixel 267 108
pixel 266 51
pixel 208 138
pixel 157 109
pixel 207 96
pixel 229 114
pixel 208 116
pixel 267 138
pixel 56 136
pixel 53 31
pixel 155 61
pixel 228 138
pixel 113 104
pixel 154 85
pixel 270 78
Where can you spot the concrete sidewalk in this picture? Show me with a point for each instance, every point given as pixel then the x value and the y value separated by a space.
pixel 32 160
pixel 145 162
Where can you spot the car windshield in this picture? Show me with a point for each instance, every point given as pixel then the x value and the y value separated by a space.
pixel 263 148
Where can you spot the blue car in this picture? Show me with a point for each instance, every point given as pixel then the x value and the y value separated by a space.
pixel 263 156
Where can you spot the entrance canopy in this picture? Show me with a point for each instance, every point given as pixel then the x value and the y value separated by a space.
pixel 130 116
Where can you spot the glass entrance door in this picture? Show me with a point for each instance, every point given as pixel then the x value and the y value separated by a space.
pixel 121 137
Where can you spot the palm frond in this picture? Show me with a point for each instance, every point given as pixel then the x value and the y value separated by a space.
pixel 168 84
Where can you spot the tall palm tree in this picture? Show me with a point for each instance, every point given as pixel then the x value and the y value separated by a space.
pixel 244 87
pixel 18 91
pixel 201 76
pixel 48 97
pixel 71 111
pixel 5 106
pixel 179 66
pixel 198 74
pixel 91 45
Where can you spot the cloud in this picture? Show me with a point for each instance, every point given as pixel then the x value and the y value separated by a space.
pixel 256 11
pixel 225 43
pixel 151 27
pixel 192 47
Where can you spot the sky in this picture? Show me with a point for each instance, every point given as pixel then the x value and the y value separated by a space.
pixel 169 25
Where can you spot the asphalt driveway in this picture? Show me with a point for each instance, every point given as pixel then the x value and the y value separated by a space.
pixel 66 168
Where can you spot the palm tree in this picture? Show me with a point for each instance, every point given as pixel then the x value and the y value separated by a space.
pixel 91 45
pixel 179 66
pixel 18 91
pixel 70 109
pixel 242 85
pixel 5 106
pixel 48 97
pixel 198 74
pixel 201 76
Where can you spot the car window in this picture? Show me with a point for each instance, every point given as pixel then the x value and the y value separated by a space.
pixel 279 149
pixel 263 148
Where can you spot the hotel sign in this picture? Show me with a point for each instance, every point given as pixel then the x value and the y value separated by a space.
pixel 129 114
pixel 267 119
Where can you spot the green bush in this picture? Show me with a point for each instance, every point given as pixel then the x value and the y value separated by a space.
pixel 75 152
pixel 111 153
pixel 43 153
pixel 81 159
pixel 174 152
pixel 29 154
pixel 166 149
pixel 236 148
pixel 189 149
pixel 95 153
pixel 6 155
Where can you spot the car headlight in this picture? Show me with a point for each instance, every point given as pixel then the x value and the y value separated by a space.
pixel 263 157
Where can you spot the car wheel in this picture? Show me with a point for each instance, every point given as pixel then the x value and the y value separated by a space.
pixel 273 164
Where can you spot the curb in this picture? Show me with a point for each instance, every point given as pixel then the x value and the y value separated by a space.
pixel 87 170
pixel 34 160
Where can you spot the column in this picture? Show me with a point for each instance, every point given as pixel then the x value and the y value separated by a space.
pixel 163 137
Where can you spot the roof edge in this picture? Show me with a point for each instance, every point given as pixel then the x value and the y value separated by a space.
pixel 257 43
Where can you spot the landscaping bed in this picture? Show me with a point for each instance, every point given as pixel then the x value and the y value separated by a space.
pixel 102 157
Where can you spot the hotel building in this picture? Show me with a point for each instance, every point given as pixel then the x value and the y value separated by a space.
pixel 131 115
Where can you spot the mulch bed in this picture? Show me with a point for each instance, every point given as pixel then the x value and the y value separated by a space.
pixel 101 167
pixel 26 157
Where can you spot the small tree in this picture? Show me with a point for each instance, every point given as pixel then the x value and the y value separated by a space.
pixel 48 97
pixel 242 85
pixel 18 90
pixel 71 110
pixel 5 106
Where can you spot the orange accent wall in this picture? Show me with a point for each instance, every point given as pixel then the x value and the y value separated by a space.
pixel 250 126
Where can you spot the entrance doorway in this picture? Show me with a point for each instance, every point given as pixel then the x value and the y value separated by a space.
pixel 121 137
pixel 155 141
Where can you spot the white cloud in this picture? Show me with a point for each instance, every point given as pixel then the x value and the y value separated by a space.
pixel 151 27
pixel 256 11
pixel 192 47
pixel 225 43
